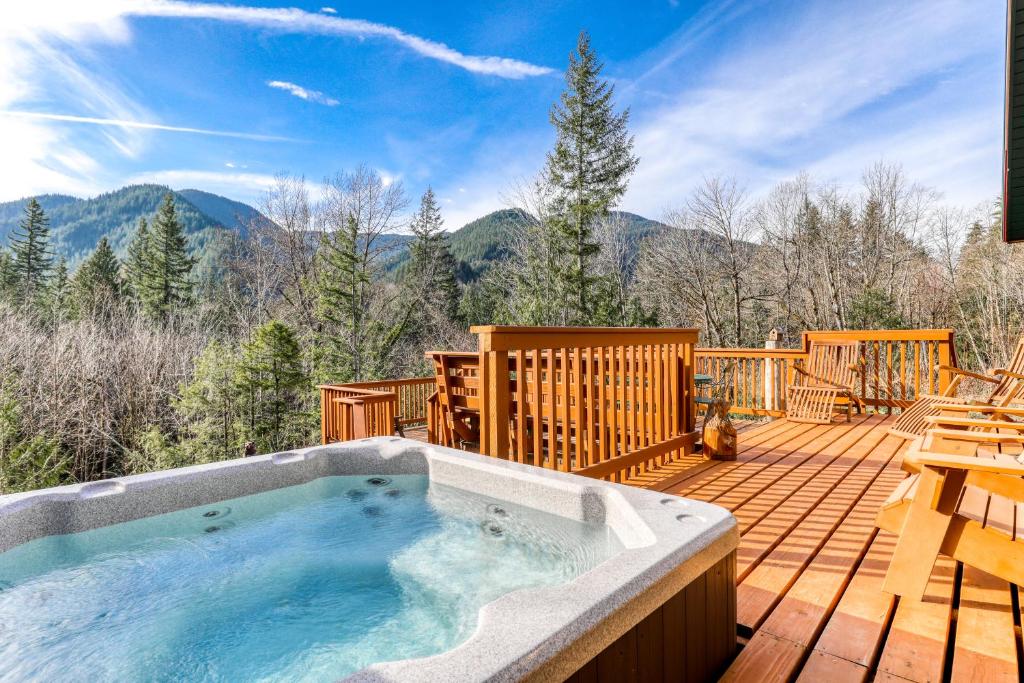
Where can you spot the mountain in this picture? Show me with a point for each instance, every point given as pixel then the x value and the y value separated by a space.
pixel 76 225
pixel 481 243
pixel 227 212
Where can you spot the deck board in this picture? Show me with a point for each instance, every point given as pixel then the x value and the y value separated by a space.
pixel 811 564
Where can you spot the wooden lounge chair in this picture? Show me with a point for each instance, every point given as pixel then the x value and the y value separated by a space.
pixel 964 502
pixel 826 380
pixel 1007 386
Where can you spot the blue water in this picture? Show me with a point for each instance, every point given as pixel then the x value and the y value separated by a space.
pixel 306 583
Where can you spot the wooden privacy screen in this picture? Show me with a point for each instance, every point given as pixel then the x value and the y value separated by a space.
pixel 598 401
pixel 897 367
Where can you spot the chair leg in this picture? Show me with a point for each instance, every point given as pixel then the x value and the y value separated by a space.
pixel 924 529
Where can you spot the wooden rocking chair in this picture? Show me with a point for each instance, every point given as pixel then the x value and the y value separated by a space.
pixel 826 380
pixel 1007 387
pixel 965 502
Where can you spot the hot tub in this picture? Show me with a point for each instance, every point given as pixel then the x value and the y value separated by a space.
pixel 377 560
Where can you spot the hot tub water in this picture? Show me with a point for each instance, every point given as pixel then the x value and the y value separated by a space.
pixel 304 583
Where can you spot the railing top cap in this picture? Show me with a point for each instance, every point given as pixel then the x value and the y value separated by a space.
pixel 513 329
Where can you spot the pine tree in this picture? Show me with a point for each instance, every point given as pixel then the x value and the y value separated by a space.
pixel 273 380
pixel 166 284
pixel 32 256
pixel 588 170
pixel 432 270
pixel 58 290
pixel 342 292
pixel 97 283
pixel 210 405
pixel 8 278
pixel 136 265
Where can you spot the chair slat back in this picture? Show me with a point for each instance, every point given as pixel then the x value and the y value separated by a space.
pixel 834 362
pixel 458 380
pixel 1009 388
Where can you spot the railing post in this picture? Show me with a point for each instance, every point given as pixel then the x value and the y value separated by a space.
pixel 494 398
pixel 324 400
pixel 945 359
pixel 494 382
pixel 772 342
pixel 431 420
pixel 358 420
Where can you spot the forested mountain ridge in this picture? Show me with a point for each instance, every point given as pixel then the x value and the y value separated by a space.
pixel 228 212
pixel 485 241
pixel 76 225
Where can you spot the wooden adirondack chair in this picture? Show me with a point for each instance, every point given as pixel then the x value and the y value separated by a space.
pixel 458 399
pixel 966 501
pixel 827 379
pixel 1007 387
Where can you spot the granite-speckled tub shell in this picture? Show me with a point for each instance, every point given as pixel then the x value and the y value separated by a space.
pixel 543 634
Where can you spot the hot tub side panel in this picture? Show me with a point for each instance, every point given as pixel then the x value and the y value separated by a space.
pixel 691 637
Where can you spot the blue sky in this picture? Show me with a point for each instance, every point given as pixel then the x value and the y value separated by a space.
pixel 221 97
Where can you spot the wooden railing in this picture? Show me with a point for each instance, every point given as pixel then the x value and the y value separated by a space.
pixel 897 366
pixel 760 377
pixel 363 409
pixel 605 402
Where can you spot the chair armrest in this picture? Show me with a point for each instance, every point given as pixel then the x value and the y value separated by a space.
pixel 968 373
pixel 965 462
pixel 974 437
pixel 1008 373
pixel 984 409
pixel 955 421
pixel 823 380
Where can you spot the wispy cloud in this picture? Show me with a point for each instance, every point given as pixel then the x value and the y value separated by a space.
pixel 143 125
pixel 842 84
pixel 52 82
pixel 292 20
pixel 304 93
pixel 246 187
pixel 328 10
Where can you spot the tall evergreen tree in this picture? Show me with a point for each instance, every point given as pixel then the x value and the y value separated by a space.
pixel 210 405
pixel 97 283
pixel 343 293
pixel 8 277
pixel 588 170
pixel 32 256
pixel 58 290
pixel 167 282
pixel 358 321
pixel 135 264
pixel 273 380
pixel 432 270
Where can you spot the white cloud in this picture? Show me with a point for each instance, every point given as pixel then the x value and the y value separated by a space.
pixel 51 76
pixel 47 63
pixel 328 10
pixel 246 187
pixel 819 95
pixel 144 125
pixel 304 93
pixel 293 20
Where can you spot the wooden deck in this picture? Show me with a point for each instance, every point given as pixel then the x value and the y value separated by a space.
pixel 811 563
